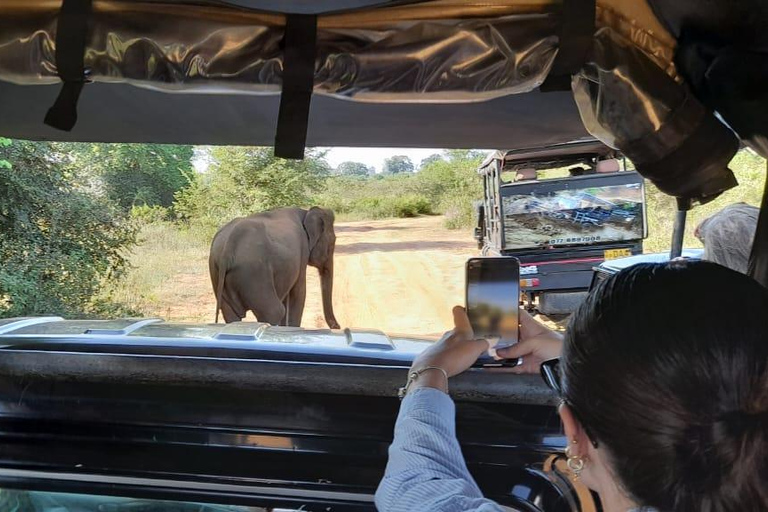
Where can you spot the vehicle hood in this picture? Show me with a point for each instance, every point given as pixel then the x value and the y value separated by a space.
pixel 243 356
pixel 249 340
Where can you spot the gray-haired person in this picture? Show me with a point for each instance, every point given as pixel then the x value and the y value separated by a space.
pixel 727 236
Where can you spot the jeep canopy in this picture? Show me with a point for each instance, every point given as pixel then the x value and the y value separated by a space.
pixel 647 77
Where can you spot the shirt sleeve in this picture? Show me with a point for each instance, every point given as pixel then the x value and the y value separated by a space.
pixel 426 470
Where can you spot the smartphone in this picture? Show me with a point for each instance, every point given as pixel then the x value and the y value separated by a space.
pixel 493 300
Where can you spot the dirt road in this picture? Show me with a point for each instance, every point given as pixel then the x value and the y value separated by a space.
pixel 396 275
pixel 400 276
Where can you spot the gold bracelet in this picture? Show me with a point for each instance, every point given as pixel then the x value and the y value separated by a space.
pixel 412 376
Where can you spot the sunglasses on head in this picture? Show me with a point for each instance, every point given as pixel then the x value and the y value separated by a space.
pixel 550 372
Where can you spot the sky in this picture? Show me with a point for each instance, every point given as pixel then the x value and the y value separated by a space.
pixel 369 156
pixel 375 156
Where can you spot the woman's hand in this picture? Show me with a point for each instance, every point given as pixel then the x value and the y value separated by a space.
pixel 455 352
pixel 537 344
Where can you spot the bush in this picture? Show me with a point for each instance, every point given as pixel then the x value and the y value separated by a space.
pixel 749 169
pixel 411 206
pixel 459 213
pixel 453 185
pixel 132 174
pixel 145 214
pixel 58 243
pixel 386 207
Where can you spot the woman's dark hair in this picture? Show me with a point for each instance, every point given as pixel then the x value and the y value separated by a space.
pixel 667 367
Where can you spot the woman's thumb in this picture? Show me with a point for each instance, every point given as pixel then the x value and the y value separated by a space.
pixel 461 322
pixel 520 349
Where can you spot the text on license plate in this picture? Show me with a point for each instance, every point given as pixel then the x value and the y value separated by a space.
pixel 612 254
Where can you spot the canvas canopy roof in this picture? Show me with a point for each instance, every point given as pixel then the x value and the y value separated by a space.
pixel 653 79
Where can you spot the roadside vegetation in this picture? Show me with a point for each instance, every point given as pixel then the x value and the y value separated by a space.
pixel 750 171
pixel 96 229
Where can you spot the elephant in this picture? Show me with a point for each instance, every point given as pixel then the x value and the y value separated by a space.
pixel 259 263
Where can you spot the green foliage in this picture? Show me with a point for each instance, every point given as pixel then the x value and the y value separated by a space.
pixel 750 171
pixel 58 241
pixel 134 174
pixel 354 169
pixel 398 164
pixel 145 214
pixel 246 180
pixel 446 184
pixel 361 198
pixel 430 160
pixel 459 213
pixel 453 185
pixel 385 207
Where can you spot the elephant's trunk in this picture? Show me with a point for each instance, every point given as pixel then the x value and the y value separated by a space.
pixel 326 286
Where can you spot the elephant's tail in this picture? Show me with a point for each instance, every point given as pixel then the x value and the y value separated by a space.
pixel 220 288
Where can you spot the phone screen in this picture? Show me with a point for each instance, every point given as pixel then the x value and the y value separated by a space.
pixel 493 299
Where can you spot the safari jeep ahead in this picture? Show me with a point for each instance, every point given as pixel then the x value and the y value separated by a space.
pixel 137 414
pixel 560 228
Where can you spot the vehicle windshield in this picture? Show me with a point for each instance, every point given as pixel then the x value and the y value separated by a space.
pixel 111 231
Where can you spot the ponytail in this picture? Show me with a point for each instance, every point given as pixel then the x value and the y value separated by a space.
pixel 675 386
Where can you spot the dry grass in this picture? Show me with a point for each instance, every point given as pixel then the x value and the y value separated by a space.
pixel 161 266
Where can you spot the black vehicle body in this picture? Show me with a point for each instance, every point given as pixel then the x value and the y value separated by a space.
pixel 248 414
pixel 609 268
pixel 561 265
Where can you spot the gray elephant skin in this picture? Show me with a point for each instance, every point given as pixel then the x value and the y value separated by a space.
pixel 259 263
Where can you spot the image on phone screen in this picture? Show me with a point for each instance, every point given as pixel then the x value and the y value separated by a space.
pixel 493 299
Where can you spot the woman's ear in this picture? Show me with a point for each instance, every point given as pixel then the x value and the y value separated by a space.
pixel 574 431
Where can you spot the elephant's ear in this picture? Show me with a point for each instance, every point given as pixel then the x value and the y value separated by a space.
pixel 314 225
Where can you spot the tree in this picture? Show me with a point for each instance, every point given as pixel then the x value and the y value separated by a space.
pixel 245 180
pixel 135 174
pixel 354 169
pixel 465 155
pixel 58 242
pixel 398 164
pixel 431 159
pixel 452 183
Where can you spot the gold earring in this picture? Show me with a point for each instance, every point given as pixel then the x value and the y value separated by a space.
pixel 576 463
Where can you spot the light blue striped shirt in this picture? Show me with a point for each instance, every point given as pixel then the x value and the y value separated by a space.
pixel 426 470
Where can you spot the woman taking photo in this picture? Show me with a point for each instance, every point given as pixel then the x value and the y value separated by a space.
pixel 664 398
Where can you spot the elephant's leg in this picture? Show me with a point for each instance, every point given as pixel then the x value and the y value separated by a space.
pixel 287 307
pixel 296 298
pixel 230 315
pixel 265 305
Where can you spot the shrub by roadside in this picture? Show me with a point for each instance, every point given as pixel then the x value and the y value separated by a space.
pixel 446 184
pixel 59 242
pixel 384 207
pixel 145 214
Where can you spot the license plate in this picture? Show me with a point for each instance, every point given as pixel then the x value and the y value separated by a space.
pixel 612 254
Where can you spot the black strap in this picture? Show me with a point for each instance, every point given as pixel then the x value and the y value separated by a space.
pixel 758 260
pixel 71 38
pixel 298 80
pixel 577 28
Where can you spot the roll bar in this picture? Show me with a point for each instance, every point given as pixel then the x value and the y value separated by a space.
pixel 758 260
